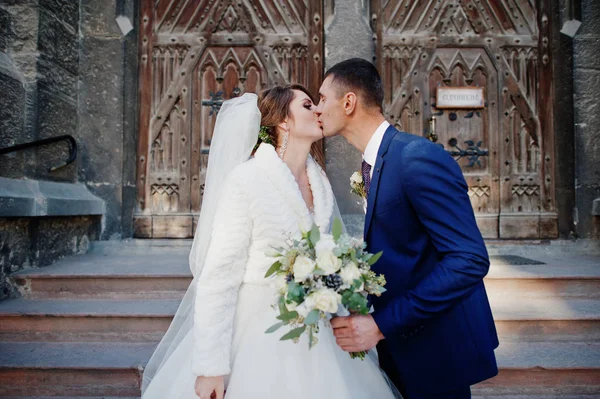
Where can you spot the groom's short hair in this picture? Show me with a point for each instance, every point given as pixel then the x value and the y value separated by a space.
pixel 359 76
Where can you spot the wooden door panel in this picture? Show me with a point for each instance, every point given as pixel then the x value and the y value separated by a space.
pixel 194 55
pixel 463 129
pixel 503 47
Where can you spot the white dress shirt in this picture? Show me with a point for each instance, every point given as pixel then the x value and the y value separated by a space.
pixel 370 155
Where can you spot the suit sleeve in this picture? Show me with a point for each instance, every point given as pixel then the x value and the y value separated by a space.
pixel 436 189
pixel 219 283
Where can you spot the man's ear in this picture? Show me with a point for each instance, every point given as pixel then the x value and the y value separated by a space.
pixel 350 103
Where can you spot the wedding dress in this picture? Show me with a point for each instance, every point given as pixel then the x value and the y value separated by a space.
pixel 260 204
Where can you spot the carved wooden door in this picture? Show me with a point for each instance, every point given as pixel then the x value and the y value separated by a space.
pixel 505 149
pixel 195 54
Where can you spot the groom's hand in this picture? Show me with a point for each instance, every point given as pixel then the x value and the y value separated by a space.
pixel 356 333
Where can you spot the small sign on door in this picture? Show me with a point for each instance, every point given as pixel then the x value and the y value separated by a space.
pixel 470 97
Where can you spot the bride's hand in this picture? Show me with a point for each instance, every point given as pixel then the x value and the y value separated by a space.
pixel 205 386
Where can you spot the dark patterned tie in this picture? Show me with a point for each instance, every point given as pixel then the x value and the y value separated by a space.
pixel 366 175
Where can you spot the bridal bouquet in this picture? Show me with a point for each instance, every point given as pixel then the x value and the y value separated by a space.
pixel 320 276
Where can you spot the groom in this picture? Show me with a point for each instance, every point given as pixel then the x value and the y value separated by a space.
pixel 433 327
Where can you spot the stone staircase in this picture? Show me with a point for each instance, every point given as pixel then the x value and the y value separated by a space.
pixel 86 326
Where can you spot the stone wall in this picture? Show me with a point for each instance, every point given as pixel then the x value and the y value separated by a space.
pixel 18 76
pixel 55 237
pixel 38 72
pixel 347 34
pixel 586 100
pixel 66 68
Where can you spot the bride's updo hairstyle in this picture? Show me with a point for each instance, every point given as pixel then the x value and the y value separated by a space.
pixel 274 106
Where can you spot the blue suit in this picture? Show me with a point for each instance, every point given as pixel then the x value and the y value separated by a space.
pixel 439 331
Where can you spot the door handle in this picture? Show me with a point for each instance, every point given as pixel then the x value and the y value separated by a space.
pixel 432 135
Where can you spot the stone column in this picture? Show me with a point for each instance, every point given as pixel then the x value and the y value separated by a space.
pixel 108 109
pixel 586 99
pixel 347 34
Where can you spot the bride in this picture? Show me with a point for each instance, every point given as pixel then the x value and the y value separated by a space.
pixel 217 340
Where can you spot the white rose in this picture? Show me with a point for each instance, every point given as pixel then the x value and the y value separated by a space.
pixel 325 244
pixel 356 178
pixel 303 309
pixel 328 262
pixel 303 267
pixel 326 300
pixel 350 272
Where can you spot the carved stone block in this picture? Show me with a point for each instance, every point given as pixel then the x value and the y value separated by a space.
pixel 12 122
pixel 66 11
pixel 4 29
pixel 58 42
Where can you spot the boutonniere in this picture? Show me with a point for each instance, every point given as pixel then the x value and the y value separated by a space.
pixel 357 185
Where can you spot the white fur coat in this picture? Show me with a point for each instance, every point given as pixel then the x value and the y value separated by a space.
pixel 261 204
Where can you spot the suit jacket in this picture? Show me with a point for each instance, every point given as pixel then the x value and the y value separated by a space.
pixel 435 316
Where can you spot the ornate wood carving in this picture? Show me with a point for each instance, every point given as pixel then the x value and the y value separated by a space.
pixel 506 149
pixel 194 54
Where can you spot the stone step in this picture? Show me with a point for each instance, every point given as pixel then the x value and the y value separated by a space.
pixel 547 319
pixel 115 369
pixel 558 396
pixel 564 287
pixel 539 396
pixel 167 275
pixel 85 320
pixel 117 287
pixel 153 276
pixel 577 277
pixel 73 369
pixel 132 286
pixel 548 330
pixel 141 246
pixel 544 369
pixel 541 384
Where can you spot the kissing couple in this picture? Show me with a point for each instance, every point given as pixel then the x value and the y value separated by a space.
pixel 430 335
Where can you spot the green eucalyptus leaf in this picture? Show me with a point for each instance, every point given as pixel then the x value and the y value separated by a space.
pixel 312 317
pixel 356 284
pixel 273 269
pixel 374 258
pixel 274 327
pixel 358 304
pixel 336 229
pixel 353 255
pixel 281 303
pixel 315 235
pixel 295 333
pixel 295 292
pixel 311 338
pixel 346 295
pixel 288 316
